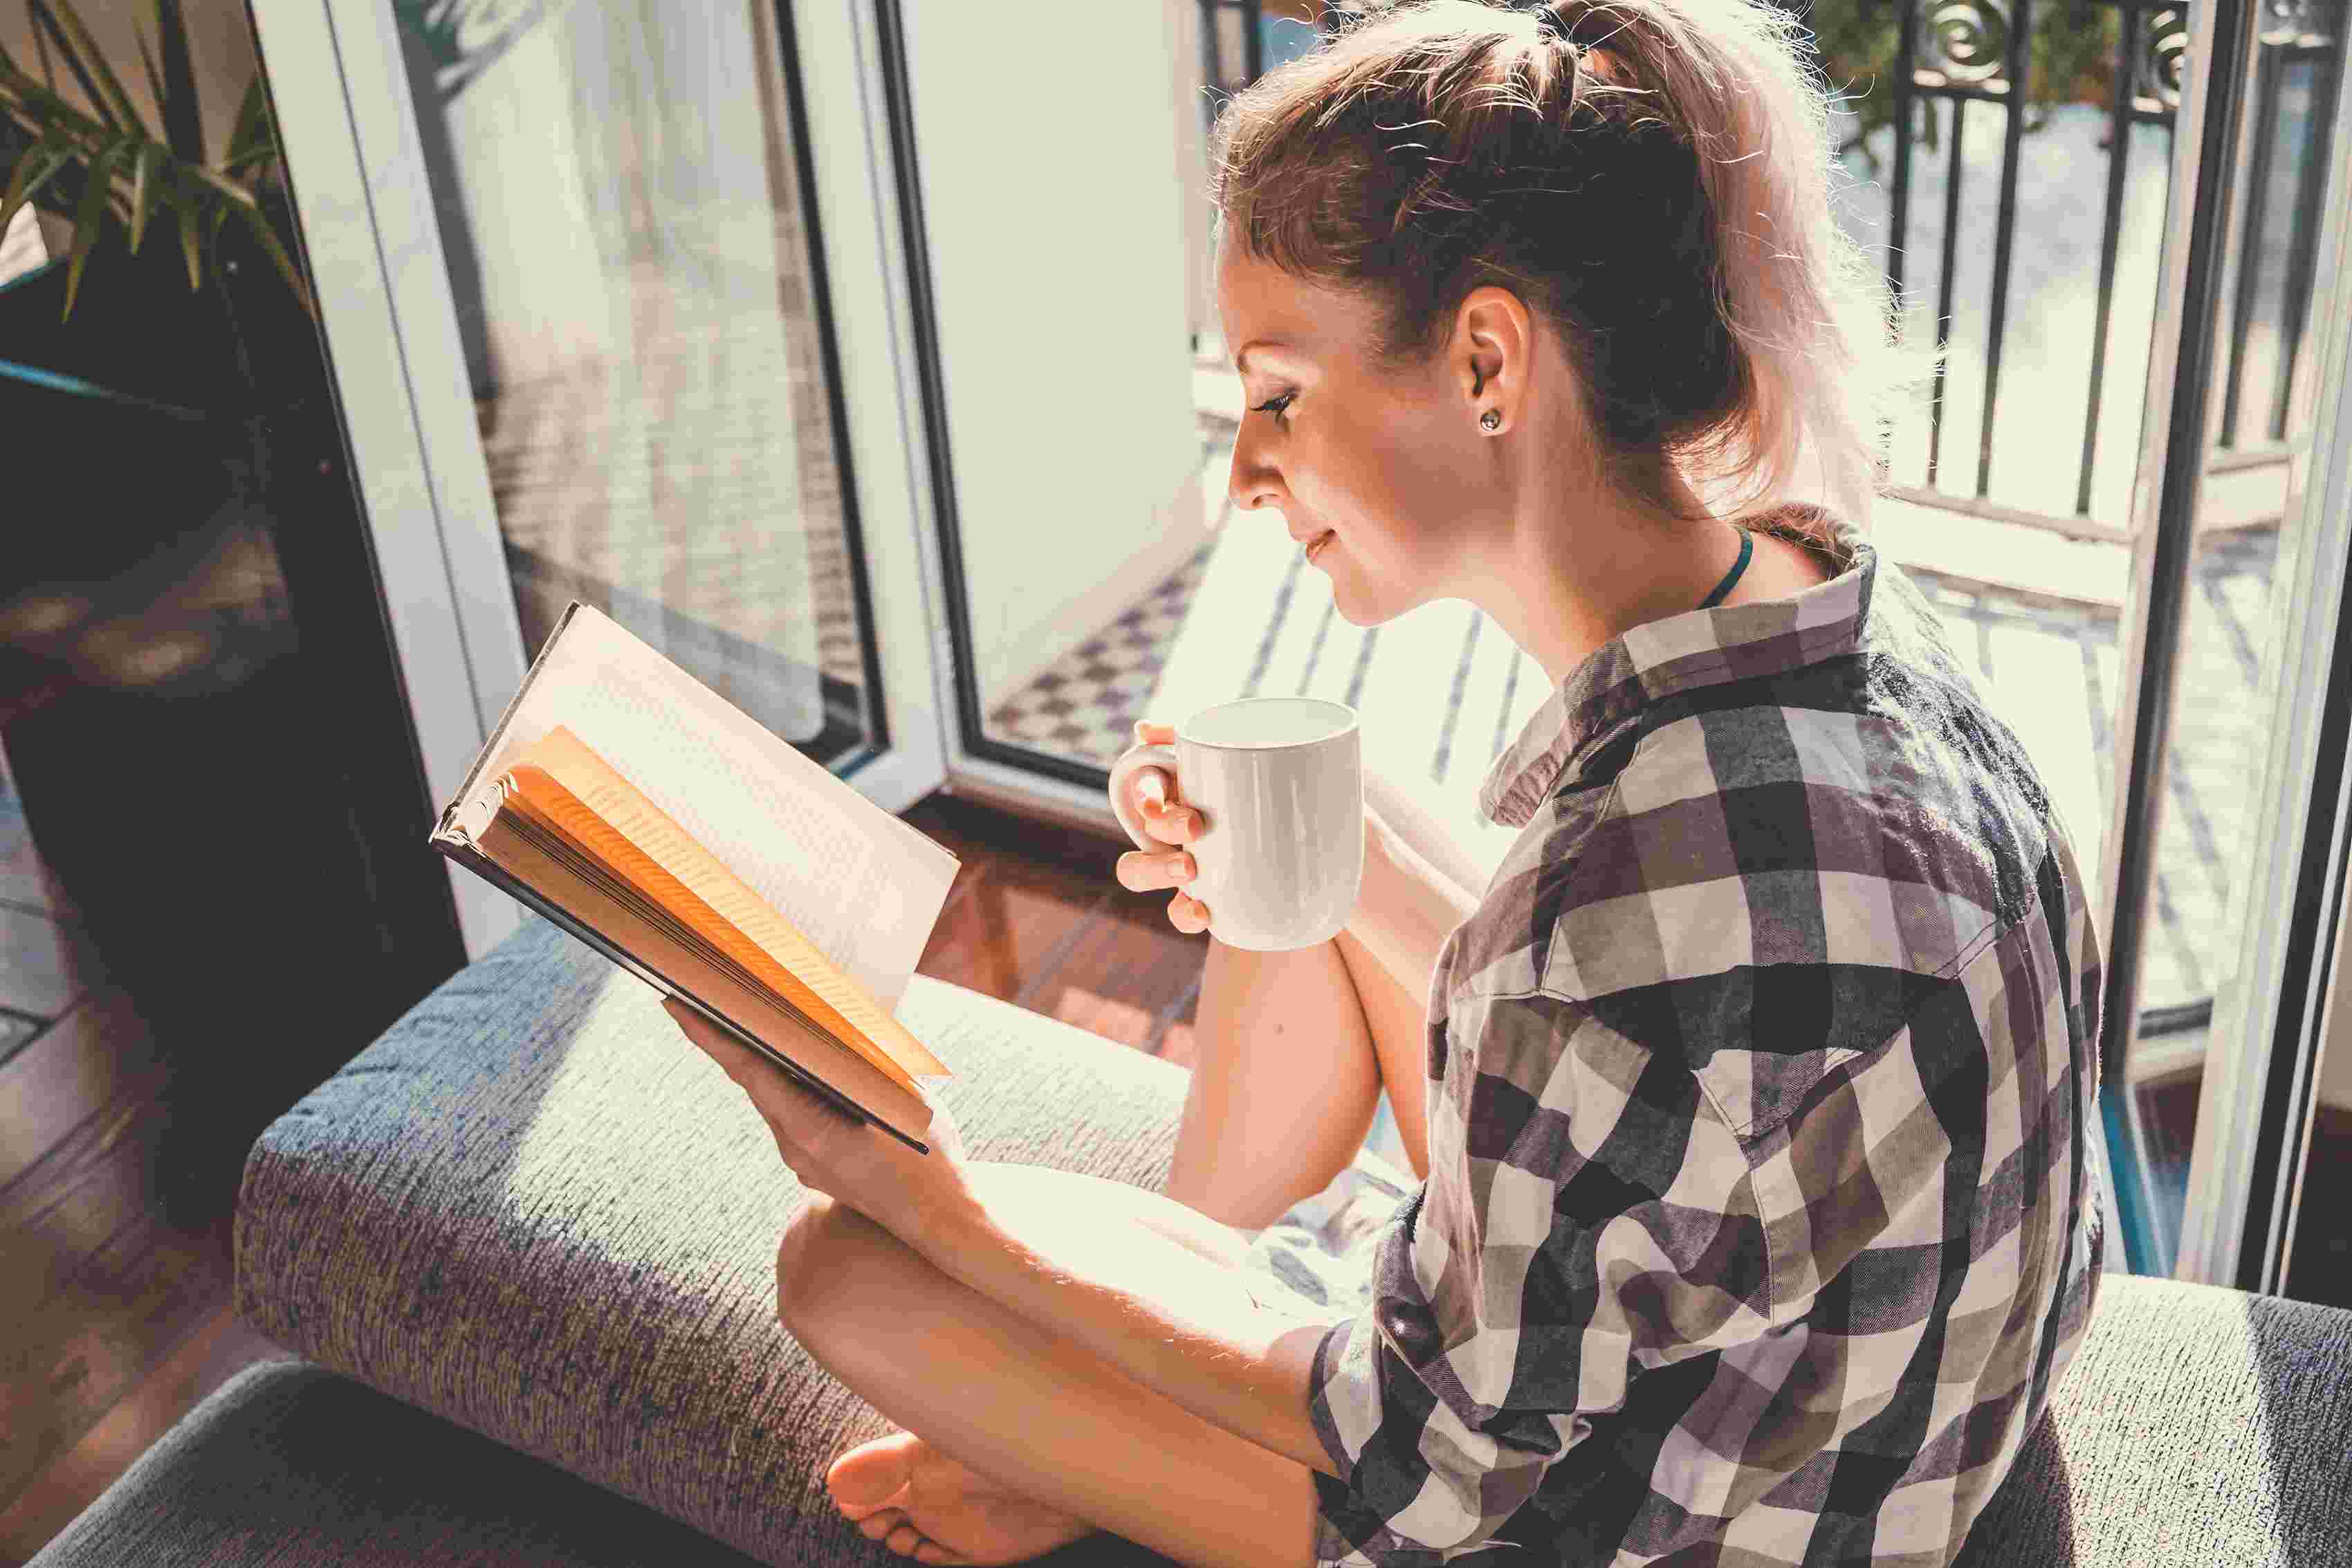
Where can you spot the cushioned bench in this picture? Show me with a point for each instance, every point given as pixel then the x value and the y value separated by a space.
pixel 542 1229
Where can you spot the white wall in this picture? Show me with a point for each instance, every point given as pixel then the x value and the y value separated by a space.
pixel 22 246
pixel 1058 253
pixel 1189 101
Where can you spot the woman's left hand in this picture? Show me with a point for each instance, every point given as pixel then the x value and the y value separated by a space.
pixel 834 1153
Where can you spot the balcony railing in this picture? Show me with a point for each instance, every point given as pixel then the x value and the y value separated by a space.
pixel 1954 58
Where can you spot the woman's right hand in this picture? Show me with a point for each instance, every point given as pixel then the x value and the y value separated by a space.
pixel 1154 793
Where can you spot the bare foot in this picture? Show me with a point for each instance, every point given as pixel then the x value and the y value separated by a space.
pixel 901 1490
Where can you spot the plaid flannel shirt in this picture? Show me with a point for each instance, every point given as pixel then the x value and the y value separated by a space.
pixel 1764 1181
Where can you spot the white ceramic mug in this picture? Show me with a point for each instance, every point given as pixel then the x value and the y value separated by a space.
pixel 1279 783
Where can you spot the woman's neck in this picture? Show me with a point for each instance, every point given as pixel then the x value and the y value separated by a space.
pixel 1561 592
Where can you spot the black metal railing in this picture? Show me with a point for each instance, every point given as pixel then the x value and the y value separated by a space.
pixel 1955 56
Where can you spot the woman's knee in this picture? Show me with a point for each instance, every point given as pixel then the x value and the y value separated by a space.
pixel 817 1268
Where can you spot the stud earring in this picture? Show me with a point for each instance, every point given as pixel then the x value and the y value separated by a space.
pixel 1492 420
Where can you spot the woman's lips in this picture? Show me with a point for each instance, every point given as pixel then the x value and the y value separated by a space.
pixel 1318 541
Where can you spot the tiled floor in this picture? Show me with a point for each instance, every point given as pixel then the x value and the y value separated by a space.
pixel 1442 691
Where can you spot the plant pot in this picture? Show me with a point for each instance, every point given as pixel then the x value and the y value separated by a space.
pixel 215 760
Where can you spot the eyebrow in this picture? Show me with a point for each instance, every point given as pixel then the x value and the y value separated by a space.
pixel 1241 359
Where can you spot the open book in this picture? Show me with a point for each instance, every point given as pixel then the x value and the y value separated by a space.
pixel 633 806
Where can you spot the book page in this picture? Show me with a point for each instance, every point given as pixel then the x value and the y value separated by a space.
pixel 865 887
pixel 688 881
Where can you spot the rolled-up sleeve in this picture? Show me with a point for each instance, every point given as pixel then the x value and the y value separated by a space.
pixel 1587 1213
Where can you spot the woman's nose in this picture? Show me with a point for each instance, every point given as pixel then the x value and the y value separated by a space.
pixel 1248 486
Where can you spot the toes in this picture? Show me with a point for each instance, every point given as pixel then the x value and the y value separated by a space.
pixel 904 1539
pixel 872 1473
pixel 932 1551
pixel 881 1522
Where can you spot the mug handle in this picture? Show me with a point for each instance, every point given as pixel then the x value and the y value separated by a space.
pixel 1123 770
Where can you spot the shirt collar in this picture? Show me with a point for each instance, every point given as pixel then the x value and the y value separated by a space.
pixel 1659 659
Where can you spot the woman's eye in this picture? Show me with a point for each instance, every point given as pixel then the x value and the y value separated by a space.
pixel 1274 407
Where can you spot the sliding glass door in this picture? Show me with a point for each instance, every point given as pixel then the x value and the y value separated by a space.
pixel 610 291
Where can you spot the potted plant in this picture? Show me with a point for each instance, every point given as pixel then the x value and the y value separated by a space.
pixel 198 693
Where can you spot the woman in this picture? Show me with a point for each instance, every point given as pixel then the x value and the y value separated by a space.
pixel 1752 1102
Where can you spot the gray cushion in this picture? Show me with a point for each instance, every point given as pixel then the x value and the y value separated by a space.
pixel 2197 1426
pixel 533 1209
pixel 291 1466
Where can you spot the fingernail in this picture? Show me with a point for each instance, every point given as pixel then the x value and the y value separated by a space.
pixel 1182 873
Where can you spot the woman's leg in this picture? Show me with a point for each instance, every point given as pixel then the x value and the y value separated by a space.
pixel 1399 1023
pixel 1291 1052
pixel 1016 1405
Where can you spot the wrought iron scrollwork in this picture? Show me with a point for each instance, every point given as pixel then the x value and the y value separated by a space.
pixel 2162 58
pixel 1964 41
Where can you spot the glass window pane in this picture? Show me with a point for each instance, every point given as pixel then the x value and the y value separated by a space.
pixel 2249 519
pixel 619 194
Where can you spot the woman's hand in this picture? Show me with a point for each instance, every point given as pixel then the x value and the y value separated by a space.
pixel 1167 818
pixel 834 1153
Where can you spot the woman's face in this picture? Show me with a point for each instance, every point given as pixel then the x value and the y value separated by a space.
pixel 1389 468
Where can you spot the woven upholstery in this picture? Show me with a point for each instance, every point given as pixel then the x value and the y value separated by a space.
pixel 534 1208
pixel 291 1466
pixel 2198 1425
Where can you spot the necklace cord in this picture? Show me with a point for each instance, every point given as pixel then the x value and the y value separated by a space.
pixel 1731 578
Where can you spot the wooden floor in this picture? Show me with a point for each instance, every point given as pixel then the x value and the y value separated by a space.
pixel 114 1296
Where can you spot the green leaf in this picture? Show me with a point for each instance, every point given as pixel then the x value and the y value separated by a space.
pixel 223 183
pixel 268 235
pixel 41 48
pixel 147 64
pixel 90 222
pixel 34 169
pixel 143 190
pixel 51 109
pixel 184 201
pixel 250 138
pixel 97 78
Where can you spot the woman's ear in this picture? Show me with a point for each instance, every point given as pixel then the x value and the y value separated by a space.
pixel 1494 339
